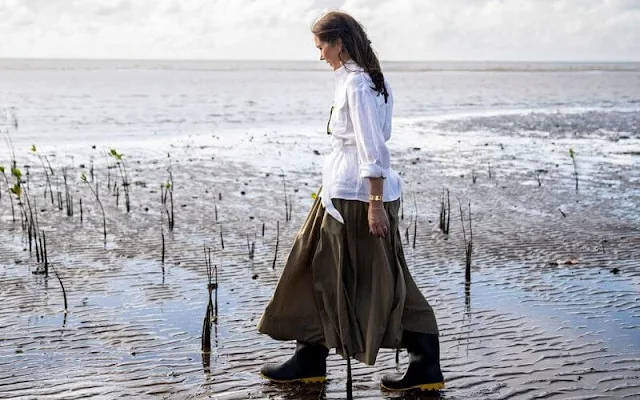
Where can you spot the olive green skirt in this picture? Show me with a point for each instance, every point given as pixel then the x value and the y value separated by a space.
pixel 345 288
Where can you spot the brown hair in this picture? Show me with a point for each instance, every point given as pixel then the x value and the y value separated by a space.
pixel 336 25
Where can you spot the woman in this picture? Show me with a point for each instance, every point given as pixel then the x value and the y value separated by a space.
pixel 345 284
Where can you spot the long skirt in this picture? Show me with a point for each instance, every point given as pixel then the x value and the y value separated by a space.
pixel 345 288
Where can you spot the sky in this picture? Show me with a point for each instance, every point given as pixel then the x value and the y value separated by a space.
pixel 501 30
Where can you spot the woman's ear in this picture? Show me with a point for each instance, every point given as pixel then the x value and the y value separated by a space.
pixel 338 45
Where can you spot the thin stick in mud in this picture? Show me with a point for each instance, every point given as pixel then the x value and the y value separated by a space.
pixel 468 245
pixel 445 213
pixel 46 257
pixel 275 256
pixel 64 292
pixel 162 233
pixel 251 248
pixel 215 305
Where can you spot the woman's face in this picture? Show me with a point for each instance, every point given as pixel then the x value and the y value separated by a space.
pixel 329 52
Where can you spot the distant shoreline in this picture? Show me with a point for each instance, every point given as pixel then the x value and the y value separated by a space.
pixel 312 65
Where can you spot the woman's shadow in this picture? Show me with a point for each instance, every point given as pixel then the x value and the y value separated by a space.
pixel 319 392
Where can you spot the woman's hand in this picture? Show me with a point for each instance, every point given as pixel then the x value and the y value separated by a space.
pixel 378 221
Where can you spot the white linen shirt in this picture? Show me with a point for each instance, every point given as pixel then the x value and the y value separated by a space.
pixel 360 126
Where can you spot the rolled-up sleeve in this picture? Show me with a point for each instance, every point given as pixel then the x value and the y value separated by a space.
pixel 373 154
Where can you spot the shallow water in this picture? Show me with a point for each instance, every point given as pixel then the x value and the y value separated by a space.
pixel 527 328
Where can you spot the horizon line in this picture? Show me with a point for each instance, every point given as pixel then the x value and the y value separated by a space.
pixel 551 61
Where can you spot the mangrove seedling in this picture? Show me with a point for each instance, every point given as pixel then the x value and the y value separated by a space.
pixel 30 220
pixel 16 189
pixel 84 179
pixel 212 276
pixel 67 194
pixel 572 154
pixel 445 213
pixel 287 208
pixel 212 310
pixel 251 248
pixel 167 190
pixel 9 191
pixel 538 178
pixel 122 168
pixel 34 150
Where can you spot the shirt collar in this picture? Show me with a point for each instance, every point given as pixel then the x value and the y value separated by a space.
pixel 346 67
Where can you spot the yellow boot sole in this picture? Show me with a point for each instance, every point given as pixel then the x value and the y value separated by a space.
pixel 426 387
pixel 312 379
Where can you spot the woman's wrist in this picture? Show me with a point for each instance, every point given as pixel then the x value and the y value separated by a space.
pixel 376 204
pixel 375 193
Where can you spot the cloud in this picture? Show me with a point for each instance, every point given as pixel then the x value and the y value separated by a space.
pixel 279 29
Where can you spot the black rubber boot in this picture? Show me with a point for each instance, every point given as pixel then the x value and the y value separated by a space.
pixel 307 365
pixel 424 371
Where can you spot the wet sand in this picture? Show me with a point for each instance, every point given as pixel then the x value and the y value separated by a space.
pixel 528 327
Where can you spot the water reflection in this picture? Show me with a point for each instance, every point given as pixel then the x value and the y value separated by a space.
pixel 467 300
pixel 466 318
pixel 206 353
